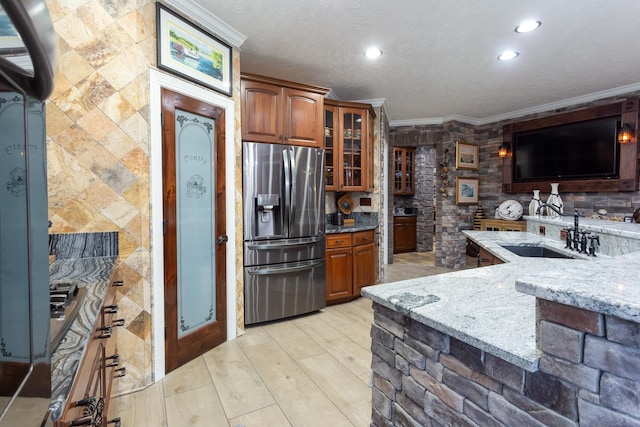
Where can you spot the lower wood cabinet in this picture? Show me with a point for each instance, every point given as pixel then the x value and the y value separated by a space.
pixel 404 234
pixel 88 401
pixel 486 258
pixel 351 264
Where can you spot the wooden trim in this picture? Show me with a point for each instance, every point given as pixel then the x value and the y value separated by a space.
pixel 628 172
pixel 270 80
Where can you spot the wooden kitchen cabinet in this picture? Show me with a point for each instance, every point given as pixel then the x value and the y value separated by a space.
pixel 348 144
pixel 403 171
pixel 89 398
pixel 404 234
pixel 502 225
pixel 350 264
pixel 280 112
pixel 486 258
pixel 330 146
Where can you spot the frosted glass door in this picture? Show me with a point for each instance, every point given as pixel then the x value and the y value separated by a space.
pixel 195 209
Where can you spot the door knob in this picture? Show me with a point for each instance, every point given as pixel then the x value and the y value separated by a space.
pixel 222 239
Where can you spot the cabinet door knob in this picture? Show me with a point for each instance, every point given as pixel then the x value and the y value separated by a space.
pixel 118 283
pixel 118 322
pixel 121 372
pixel 106 332
pixel 116 360
pixel 111 309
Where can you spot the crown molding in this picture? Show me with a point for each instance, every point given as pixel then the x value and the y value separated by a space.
pixel 194 12
pixel 519 113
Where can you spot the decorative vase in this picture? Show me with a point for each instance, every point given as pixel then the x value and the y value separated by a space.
pixel 477 217
pixel 554 200
pixel 535 204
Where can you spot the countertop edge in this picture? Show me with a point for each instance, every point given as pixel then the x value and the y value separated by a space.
pixel 336 229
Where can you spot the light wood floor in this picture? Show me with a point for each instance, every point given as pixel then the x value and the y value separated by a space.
pixel 308 371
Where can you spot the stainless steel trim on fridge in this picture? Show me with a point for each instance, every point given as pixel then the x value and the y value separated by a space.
pixel 284 236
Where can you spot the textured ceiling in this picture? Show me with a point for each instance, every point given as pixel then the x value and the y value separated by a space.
pixel 440 56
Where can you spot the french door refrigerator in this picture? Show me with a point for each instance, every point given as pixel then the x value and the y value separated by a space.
pixel 284 231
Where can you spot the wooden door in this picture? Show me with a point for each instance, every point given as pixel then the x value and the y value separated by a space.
pixel 193 161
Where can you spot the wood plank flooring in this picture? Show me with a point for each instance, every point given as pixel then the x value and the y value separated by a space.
pixel 312 370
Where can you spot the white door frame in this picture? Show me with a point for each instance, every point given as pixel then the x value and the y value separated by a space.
pixel 159 80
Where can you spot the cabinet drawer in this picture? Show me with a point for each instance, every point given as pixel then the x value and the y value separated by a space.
pixel 362 237
pixel 342 240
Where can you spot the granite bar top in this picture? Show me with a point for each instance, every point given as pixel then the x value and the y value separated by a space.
pixel 609 286
pixel 493 308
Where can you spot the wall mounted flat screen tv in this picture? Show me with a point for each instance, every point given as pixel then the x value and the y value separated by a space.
pixel 586 149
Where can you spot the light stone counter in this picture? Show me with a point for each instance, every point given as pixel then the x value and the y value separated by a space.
pixel 486 307
pixel 616 238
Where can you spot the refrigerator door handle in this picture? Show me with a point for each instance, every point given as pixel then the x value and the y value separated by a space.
pixel 286 164
pixel 294 174
pixel 272 271
pixel 271 246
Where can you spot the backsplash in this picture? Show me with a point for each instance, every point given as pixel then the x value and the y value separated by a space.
pixel 362 218
pixel 84 245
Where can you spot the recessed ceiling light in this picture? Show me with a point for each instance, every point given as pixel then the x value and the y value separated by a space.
pixel 372 53
pixel 507 55
pixel 527 26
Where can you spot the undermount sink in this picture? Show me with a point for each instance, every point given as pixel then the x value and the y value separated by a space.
pixel 535 251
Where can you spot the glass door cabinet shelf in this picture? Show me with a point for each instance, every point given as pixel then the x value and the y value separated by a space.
pixel 403 171
pixel 330 139
pixel 348 155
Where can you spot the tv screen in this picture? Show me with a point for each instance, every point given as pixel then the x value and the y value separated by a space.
pixel 585 149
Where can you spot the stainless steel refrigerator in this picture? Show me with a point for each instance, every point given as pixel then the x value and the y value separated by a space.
pixel 284 231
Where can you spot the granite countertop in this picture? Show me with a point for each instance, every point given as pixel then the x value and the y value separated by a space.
pixel 333 229
pixel 615 228
pixel 94 274
pixel 493 308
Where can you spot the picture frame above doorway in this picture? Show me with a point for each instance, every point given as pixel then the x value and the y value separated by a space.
pixel 186 50
pixel 466 156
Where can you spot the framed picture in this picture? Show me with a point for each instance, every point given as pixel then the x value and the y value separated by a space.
pixel 466 191
pixel 192 53
pixel 466 156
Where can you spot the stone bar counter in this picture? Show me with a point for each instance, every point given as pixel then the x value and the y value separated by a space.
pixel 531 342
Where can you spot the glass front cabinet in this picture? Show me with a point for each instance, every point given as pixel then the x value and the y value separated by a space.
pixel 403 168
pixel 348 159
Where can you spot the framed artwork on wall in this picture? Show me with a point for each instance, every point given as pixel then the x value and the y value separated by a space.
pixel 190 52
pixel 466 191
pixel 466 156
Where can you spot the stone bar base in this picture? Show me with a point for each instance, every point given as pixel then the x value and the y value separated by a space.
pixel 589 374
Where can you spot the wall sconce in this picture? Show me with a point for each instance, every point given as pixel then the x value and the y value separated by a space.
pixel 626 133
pixel 504 150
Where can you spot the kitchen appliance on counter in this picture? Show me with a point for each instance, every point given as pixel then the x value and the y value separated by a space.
pixel 284 231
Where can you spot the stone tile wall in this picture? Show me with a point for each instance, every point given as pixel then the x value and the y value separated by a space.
pixel 587 377
pixel 449 244
pixel 98 139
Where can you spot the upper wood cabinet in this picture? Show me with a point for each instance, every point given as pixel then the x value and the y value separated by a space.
pixel 348 144
pixel 281 112
pixel 403 168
